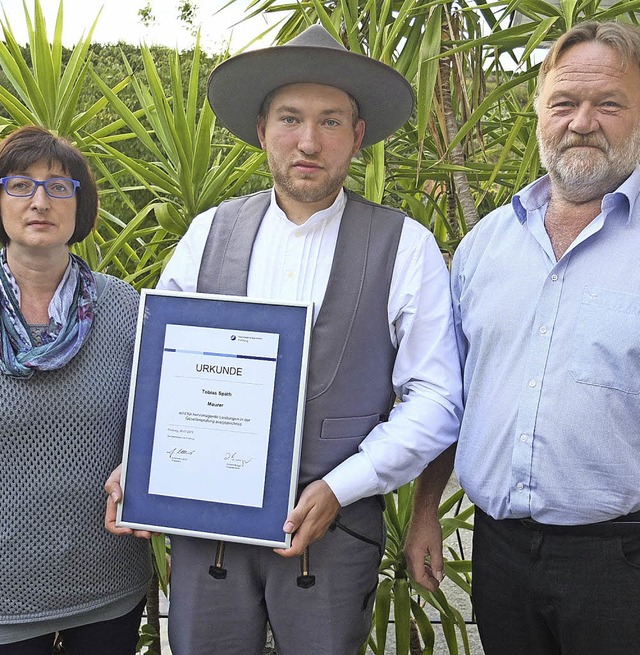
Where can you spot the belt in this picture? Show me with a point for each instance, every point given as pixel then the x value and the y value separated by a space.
pixel 619 525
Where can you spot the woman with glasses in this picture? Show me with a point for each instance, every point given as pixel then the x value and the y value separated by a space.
pixel 66 348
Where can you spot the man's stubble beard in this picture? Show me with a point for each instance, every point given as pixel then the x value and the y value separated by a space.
pixel 285 183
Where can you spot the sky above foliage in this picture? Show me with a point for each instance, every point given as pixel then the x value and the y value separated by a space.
pixel 120 20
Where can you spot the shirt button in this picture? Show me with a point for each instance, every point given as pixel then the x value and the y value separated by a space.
pixel 523 438
pixel 554 278
pixel 532 383
pixel 298 233
pixel 519 486
pixel 290 274
pixel 543 330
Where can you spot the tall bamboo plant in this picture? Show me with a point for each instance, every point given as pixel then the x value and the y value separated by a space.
pixel 44 89
pixel 183 171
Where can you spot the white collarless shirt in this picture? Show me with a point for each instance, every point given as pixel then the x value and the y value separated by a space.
pixel 292 262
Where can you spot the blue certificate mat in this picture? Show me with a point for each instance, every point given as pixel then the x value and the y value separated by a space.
pixel 216 408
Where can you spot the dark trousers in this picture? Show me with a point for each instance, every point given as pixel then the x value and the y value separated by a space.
pixel 114 637
pixel 545 590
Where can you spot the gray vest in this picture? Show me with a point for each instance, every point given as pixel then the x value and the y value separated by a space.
pixel 351 360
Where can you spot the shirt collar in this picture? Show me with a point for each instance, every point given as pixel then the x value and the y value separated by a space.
pixel 536 195
pixel 318 219
pixel 628 193
pixel 532 197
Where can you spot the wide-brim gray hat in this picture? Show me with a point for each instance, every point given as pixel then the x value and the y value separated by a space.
pixel 238 86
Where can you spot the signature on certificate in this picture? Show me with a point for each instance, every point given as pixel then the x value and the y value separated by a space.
pixel 179 454
pixel 235 461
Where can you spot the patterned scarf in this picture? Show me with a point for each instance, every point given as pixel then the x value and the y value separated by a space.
pixel 72 309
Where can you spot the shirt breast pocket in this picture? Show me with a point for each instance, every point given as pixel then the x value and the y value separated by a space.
pixel 606 346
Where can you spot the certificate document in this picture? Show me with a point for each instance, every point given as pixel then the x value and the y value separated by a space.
pixel 214 412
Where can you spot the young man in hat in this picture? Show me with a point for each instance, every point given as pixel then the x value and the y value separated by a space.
pixel 382 328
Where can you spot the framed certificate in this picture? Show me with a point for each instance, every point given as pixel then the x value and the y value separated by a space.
pixel 214 425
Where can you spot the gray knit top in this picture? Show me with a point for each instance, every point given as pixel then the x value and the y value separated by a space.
pixel 61 434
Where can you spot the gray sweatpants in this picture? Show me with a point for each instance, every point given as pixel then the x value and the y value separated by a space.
pixel 228 617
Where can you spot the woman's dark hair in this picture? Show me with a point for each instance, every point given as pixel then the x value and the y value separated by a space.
pixel 32 145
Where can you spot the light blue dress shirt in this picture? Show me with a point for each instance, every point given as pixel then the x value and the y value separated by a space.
pixel 551 358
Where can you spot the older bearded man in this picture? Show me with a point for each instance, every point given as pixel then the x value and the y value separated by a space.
pixel 546 296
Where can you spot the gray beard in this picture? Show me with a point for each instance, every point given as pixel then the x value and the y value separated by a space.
pixel 591 176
